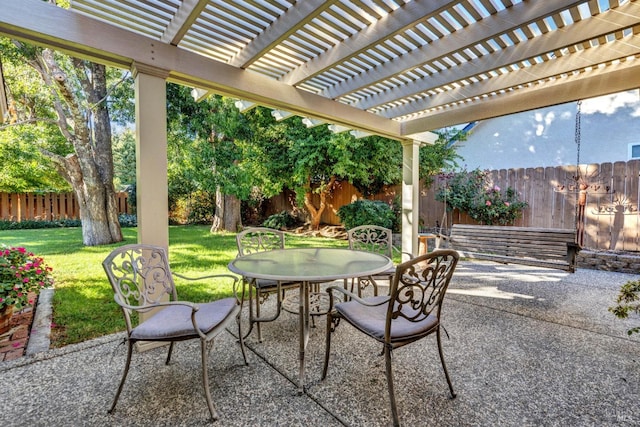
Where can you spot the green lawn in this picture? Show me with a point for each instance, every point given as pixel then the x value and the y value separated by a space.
pixel 83 300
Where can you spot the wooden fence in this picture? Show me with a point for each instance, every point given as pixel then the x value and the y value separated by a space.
pixel 47 206
pixel 607 211
pixel 610 218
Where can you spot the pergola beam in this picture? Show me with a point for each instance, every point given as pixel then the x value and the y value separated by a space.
pixel 295 18
pixel 187 14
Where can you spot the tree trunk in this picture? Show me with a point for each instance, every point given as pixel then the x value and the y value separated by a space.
pixel 227 216
pixel 218 216
pixel 232 214
pixel 89 170
pixel 316 213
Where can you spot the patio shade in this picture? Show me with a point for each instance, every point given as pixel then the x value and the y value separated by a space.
pixel 389 67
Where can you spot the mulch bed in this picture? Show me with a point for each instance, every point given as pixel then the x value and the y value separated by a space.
pixel 13 343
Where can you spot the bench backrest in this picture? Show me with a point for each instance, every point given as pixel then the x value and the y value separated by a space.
pixel 539 243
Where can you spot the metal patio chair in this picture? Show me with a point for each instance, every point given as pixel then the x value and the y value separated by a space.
pixel 260 239
pixel 371 238
pixel 410 312
pixel 143 283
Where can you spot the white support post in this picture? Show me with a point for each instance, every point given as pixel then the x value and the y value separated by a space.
pixel 410 197
pixel 152 204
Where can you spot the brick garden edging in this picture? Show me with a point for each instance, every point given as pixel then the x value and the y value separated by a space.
pixel 13 343
pixel 622 262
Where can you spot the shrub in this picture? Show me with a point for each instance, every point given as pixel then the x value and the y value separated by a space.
pixel 21 274
pixel 127 220
pixel 280 221
pixel 202 206
pixel 367 212
pixel 34 224
pixel 472 192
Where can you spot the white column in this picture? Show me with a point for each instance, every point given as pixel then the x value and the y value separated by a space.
pixel 152 203
pixel 410 197
pixel 151 155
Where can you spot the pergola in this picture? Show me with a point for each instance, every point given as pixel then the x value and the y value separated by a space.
pixel 395 68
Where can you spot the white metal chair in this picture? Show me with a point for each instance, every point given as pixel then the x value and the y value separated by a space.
pixel 142 281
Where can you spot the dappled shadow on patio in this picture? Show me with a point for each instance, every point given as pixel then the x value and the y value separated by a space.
pixel 527 346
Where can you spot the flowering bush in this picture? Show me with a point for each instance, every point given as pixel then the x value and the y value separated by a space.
pixel 472 192
pixel 21 274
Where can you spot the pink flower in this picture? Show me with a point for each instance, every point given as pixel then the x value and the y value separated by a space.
pixel 496 188
pixel 25 280
pixel 488 203
pixel 506 204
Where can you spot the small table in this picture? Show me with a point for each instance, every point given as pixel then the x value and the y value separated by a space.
pixel 423 242
pixel 307 266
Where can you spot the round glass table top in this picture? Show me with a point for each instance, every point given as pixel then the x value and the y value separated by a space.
pixel 310 264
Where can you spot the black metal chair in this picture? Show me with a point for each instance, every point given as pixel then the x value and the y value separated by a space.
pixel 260 239
pixel 410 312
pixel 143 283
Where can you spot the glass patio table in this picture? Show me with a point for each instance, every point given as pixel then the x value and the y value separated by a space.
pixel 308 266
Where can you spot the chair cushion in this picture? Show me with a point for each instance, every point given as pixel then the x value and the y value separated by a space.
pixel 174 321
pixel 371 320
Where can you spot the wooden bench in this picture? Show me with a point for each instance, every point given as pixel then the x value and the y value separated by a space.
pixel 541 247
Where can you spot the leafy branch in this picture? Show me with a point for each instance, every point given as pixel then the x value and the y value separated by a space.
pixel 628 302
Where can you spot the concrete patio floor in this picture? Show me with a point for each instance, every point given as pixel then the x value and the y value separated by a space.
pixel 527 347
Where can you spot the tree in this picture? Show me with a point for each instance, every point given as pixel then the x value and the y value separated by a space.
pixel 124 159
pixel 442 155
pixel 204 155
pixel 310 161
pixel 74 99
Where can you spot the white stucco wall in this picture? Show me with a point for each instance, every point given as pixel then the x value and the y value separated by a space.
pixel 546 136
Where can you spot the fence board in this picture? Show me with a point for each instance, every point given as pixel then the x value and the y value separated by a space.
pixel 616 222
pixel 629 205
pixel 538 207
pixel 565 175
pixel 557 198
pixel 4 205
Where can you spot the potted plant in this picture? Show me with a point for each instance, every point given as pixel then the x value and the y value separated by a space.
pixel 22 276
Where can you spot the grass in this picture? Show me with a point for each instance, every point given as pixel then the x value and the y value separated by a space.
pixel 83 305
